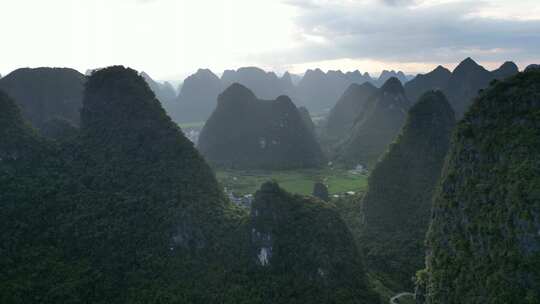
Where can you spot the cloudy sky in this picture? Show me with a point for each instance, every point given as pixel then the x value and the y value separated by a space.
pixel 170 39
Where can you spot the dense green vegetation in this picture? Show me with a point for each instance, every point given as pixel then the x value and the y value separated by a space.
pixel 58 129
pixel 397 204
pixel 294 181
pixel 483 241
pixel 305 246
pixel 127 211
pixel 245 132
pixel 114 215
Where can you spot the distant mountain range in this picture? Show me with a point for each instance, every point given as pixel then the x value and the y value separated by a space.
pixel 129 212
pixel 315 90
pixel 461 86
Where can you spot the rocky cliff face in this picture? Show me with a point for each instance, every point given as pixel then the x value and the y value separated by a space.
pixel 46 93
pixel 302 244
pixel 397 205
pixel 245 132
pixel 484 238
pixel 377 126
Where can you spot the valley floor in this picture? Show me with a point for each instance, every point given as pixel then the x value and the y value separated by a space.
pixel 338 181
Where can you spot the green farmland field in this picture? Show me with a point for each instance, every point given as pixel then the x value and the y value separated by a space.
pixel 295 181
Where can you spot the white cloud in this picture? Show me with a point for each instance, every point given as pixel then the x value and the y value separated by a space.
pixel 175 37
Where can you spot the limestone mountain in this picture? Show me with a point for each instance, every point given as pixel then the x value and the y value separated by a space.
pixel 422 83
pixel 349 106
pixel 45 93
pixel 321 191
pixel 18 140
pixel 461 86
pixel 265 85
pixel 318 91
pixel 130 195
pixel 306 118
pixel 58 129
pixel 198 96
pixel 359 78
pixel 385 75
pixel 245 132
pixel 377 126
pixel 531 67
pixel 397 205
pixel 164 92
pixel 287 84
pixel 483 242
pixel 303 244
pixel 506 70
pixel 127 211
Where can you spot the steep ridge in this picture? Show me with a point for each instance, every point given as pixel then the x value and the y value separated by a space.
pixel 483 241
pixel 349 106
pixel 377 126
pixel 302 244
pixel 462 85
pixel 198 97
pixel 46 93
pixel 245 132
pixel 506 70
pixel 164 92
pixel 397 204
pixel 306 118
pixel 19 140
pixel 434 80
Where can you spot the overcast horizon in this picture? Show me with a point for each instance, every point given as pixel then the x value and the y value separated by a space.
pixel 171 39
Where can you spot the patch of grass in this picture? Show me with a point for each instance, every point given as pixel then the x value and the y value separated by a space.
pixel 295 181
